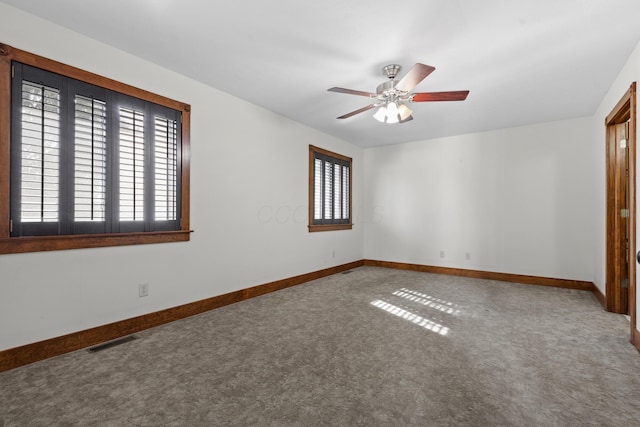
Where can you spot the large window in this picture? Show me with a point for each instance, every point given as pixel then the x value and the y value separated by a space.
pixel 87 161
pixel 329 190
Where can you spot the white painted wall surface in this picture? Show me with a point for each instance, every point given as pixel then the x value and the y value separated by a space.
pixel 248 207
pixel 516 200
pixel 629 73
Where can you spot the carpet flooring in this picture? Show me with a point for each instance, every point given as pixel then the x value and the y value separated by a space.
pixel 375 347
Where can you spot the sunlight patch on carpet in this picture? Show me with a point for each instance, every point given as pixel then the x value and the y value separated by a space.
pixel 411 317
pixel 429 301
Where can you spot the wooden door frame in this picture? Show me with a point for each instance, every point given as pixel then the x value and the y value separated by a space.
pixel 625 110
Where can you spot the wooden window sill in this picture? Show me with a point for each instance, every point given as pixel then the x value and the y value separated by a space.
pixel 330 227
pixel 13 245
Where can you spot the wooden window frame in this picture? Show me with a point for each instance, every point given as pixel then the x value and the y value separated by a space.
pixel 327 227
pixel 10 244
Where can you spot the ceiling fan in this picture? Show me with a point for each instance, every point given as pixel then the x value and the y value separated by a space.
pixel 392 96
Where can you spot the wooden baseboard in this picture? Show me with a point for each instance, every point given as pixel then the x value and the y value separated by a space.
pixel 477 274
pixel 600 297
pixel 26 354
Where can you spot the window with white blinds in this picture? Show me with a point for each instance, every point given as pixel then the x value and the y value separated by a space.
pixel 131 148
pixel 40 153
pixel 330 190
pixel 90 160
pixel 165 160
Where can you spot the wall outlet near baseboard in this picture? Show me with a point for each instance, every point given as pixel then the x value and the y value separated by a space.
pixel 143 290
pixel 441 254
pixel 467 256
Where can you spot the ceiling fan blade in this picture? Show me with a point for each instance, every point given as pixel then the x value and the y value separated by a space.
pixel 415 75
pixel 352 92
pixel 458 95
pixel 353 113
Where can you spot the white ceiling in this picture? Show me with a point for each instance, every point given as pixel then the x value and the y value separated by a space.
pixel 524 61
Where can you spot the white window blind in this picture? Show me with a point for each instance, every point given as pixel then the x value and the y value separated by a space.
pixel 337 194
pixel 345 192
pixel 131 152
pixel 328 190
pixel 165 161
pixel 90 166
pixel 318 189
pixel 40 153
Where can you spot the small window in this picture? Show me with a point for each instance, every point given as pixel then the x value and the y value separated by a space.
pixel 329 190
pixel 93 162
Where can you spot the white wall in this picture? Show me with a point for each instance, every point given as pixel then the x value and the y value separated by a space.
pixel 248 207
pixel 629 73
pixel 517 200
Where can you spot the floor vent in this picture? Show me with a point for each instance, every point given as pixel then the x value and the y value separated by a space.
pixel 112 344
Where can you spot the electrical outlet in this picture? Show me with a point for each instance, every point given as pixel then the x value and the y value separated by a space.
pixel 333 254
pixel 441 254
pixel 467 256
pixel 143 290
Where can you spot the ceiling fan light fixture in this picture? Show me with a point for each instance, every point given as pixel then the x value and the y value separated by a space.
pixel 392 113
pixel 381 114
pixel 404 112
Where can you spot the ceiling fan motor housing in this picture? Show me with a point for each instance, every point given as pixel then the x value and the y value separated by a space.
pixel 391 70
pixel 387 91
